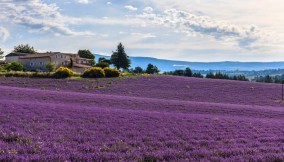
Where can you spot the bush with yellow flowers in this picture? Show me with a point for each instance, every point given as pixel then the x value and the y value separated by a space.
pixel 94 72
pixel 111 73
pixel 63 72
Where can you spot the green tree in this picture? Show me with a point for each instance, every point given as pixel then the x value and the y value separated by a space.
pixel 86 54
pixel 50 66
pixel 188 72
pixel 71 63
pixel 92 63
pixel 1 53
pixel 179 72
pixel 102 59
pixel 197 75
pixel 138 70
pixel 119 58
pixel 268 79
pixel 24 49
pixel 210 75
pixel 103 62
pixel 102 65
pixel 151 69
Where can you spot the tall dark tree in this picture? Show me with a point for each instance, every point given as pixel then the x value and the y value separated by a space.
pixel 24 49
pixel 1 53
pixel 151 69
pixel 119 58
pixel 268 79
pixel 188 72
pixel 86 54
pixel 71 63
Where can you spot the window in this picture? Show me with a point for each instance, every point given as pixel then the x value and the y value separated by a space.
pixel 56 56
pixel 31 64
pixel 82 62
pixel 61 56
pixel 62 63
pixel 40 63
pixel 65 57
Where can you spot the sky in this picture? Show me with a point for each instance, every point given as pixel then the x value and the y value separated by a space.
pixel 189 30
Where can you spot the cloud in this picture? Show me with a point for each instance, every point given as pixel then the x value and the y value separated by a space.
pixel 194 25
pixel 4 34
pixel 106 21
pixel 131 8
pixel 148 9
pixel 144 36
pixel 38 16
pixel 109 3
pixel 83 1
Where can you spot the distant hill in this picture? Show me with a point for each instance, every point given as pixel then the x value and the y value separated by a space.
pixel 170 65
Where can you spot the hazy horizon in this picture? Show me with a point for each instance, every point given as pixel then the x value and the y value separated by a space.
pixel 184 30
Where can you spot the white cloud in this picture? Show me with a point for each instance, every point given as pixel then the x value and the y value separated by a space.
pixel 83 1
pixel 109 3
pixel 4 33
pixel 38 16
pixel 106 21
pixel 130 8
pixel 194 25
pixel 148 9
pixel 143 35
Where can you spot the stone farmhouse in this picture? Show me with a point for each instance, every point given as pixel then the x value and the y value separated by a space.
pixel 38 61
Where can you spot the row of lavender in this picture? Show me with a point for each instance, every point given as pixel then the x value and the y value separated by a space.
pixel 162 87
pixel 73 123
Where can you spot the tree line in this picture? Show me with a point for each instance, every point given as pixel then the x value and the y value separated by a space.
pixel 269 79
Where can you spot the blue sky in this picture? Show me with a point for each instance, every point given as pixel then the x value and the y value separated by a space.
pixel 191 30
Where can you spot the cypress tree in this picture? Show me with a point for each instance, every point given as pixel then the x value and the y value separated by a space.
pixel 119 58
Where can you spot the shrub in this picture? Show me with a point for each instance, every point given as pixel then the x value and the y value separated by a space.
pixel 25 74
pixel 94 72
pixel 63 72
pixel 14 66
pixel 102 65
pixel 2 68
pixel 41 75
pixel 16 74
pixel 50 66
pixel 111 73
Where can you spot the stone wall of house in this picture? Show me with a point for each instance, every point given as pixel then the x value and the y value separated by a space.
pixel 61 59
pixel 12 59
pixel 35 63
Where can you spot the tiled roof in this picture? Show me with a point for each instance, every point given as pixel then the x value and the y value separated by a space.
pixel 85 59
pixel 81 66
pixel 38 55
pixel 16 54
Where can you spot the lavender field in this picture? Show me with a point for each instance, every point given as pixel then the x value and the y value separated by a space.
pixel 149 118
